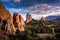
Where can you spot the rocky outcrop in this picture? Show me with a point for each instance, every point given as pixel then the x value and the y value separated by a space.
pixel 42 20
pixel 6 16
pixel 28 18
pixel 18 21
pixel 21 20
pixel 8 23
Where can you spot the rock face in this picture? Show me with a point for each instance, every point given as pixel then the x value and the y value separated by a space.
pixel 18 21
pixel 21 20
pixel 28 18
pixel 6 16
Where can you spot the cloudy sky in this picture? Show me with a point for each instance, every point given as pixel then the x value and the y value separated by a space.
pixel 37 8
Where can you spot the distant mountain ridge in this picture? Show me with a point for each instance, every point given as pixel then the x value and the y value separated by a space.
pixel 53 18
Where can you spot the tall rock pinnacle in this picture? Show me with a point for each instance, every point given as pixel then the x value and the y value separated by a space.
pixel 42 20
pixel 21 20
pixel 18 21
pixel 28 18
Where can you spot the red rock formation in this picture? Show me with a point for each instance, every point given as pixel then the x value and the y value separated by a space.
pixel 12 24
pixel 18 21
pixel 42 20
pixel 5 15
pixel 28 18
pixel 21 20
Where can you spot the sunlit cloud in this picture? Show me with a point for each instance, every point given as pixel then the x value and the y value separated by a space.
pixel 44 9
pixel 38 11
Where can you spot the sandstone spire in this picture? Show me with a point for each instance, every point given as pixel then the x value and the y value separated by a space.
pixel 28 18
pixel 18 21
pixel 42 20
pixel 21 20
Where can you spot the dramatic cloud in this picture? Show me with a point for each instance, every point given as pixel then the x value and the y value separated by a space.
pixel 44 9
pixel 28 3
pixel 38 11
pixel 37 8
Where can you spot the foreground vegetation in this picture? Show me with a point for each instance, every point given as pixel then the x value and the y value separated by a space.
pixel 31 32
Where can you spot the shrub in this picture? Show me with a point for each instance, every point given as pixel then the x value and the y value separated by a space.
pixel 26 37
pixel 19 34
pixel 57 30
